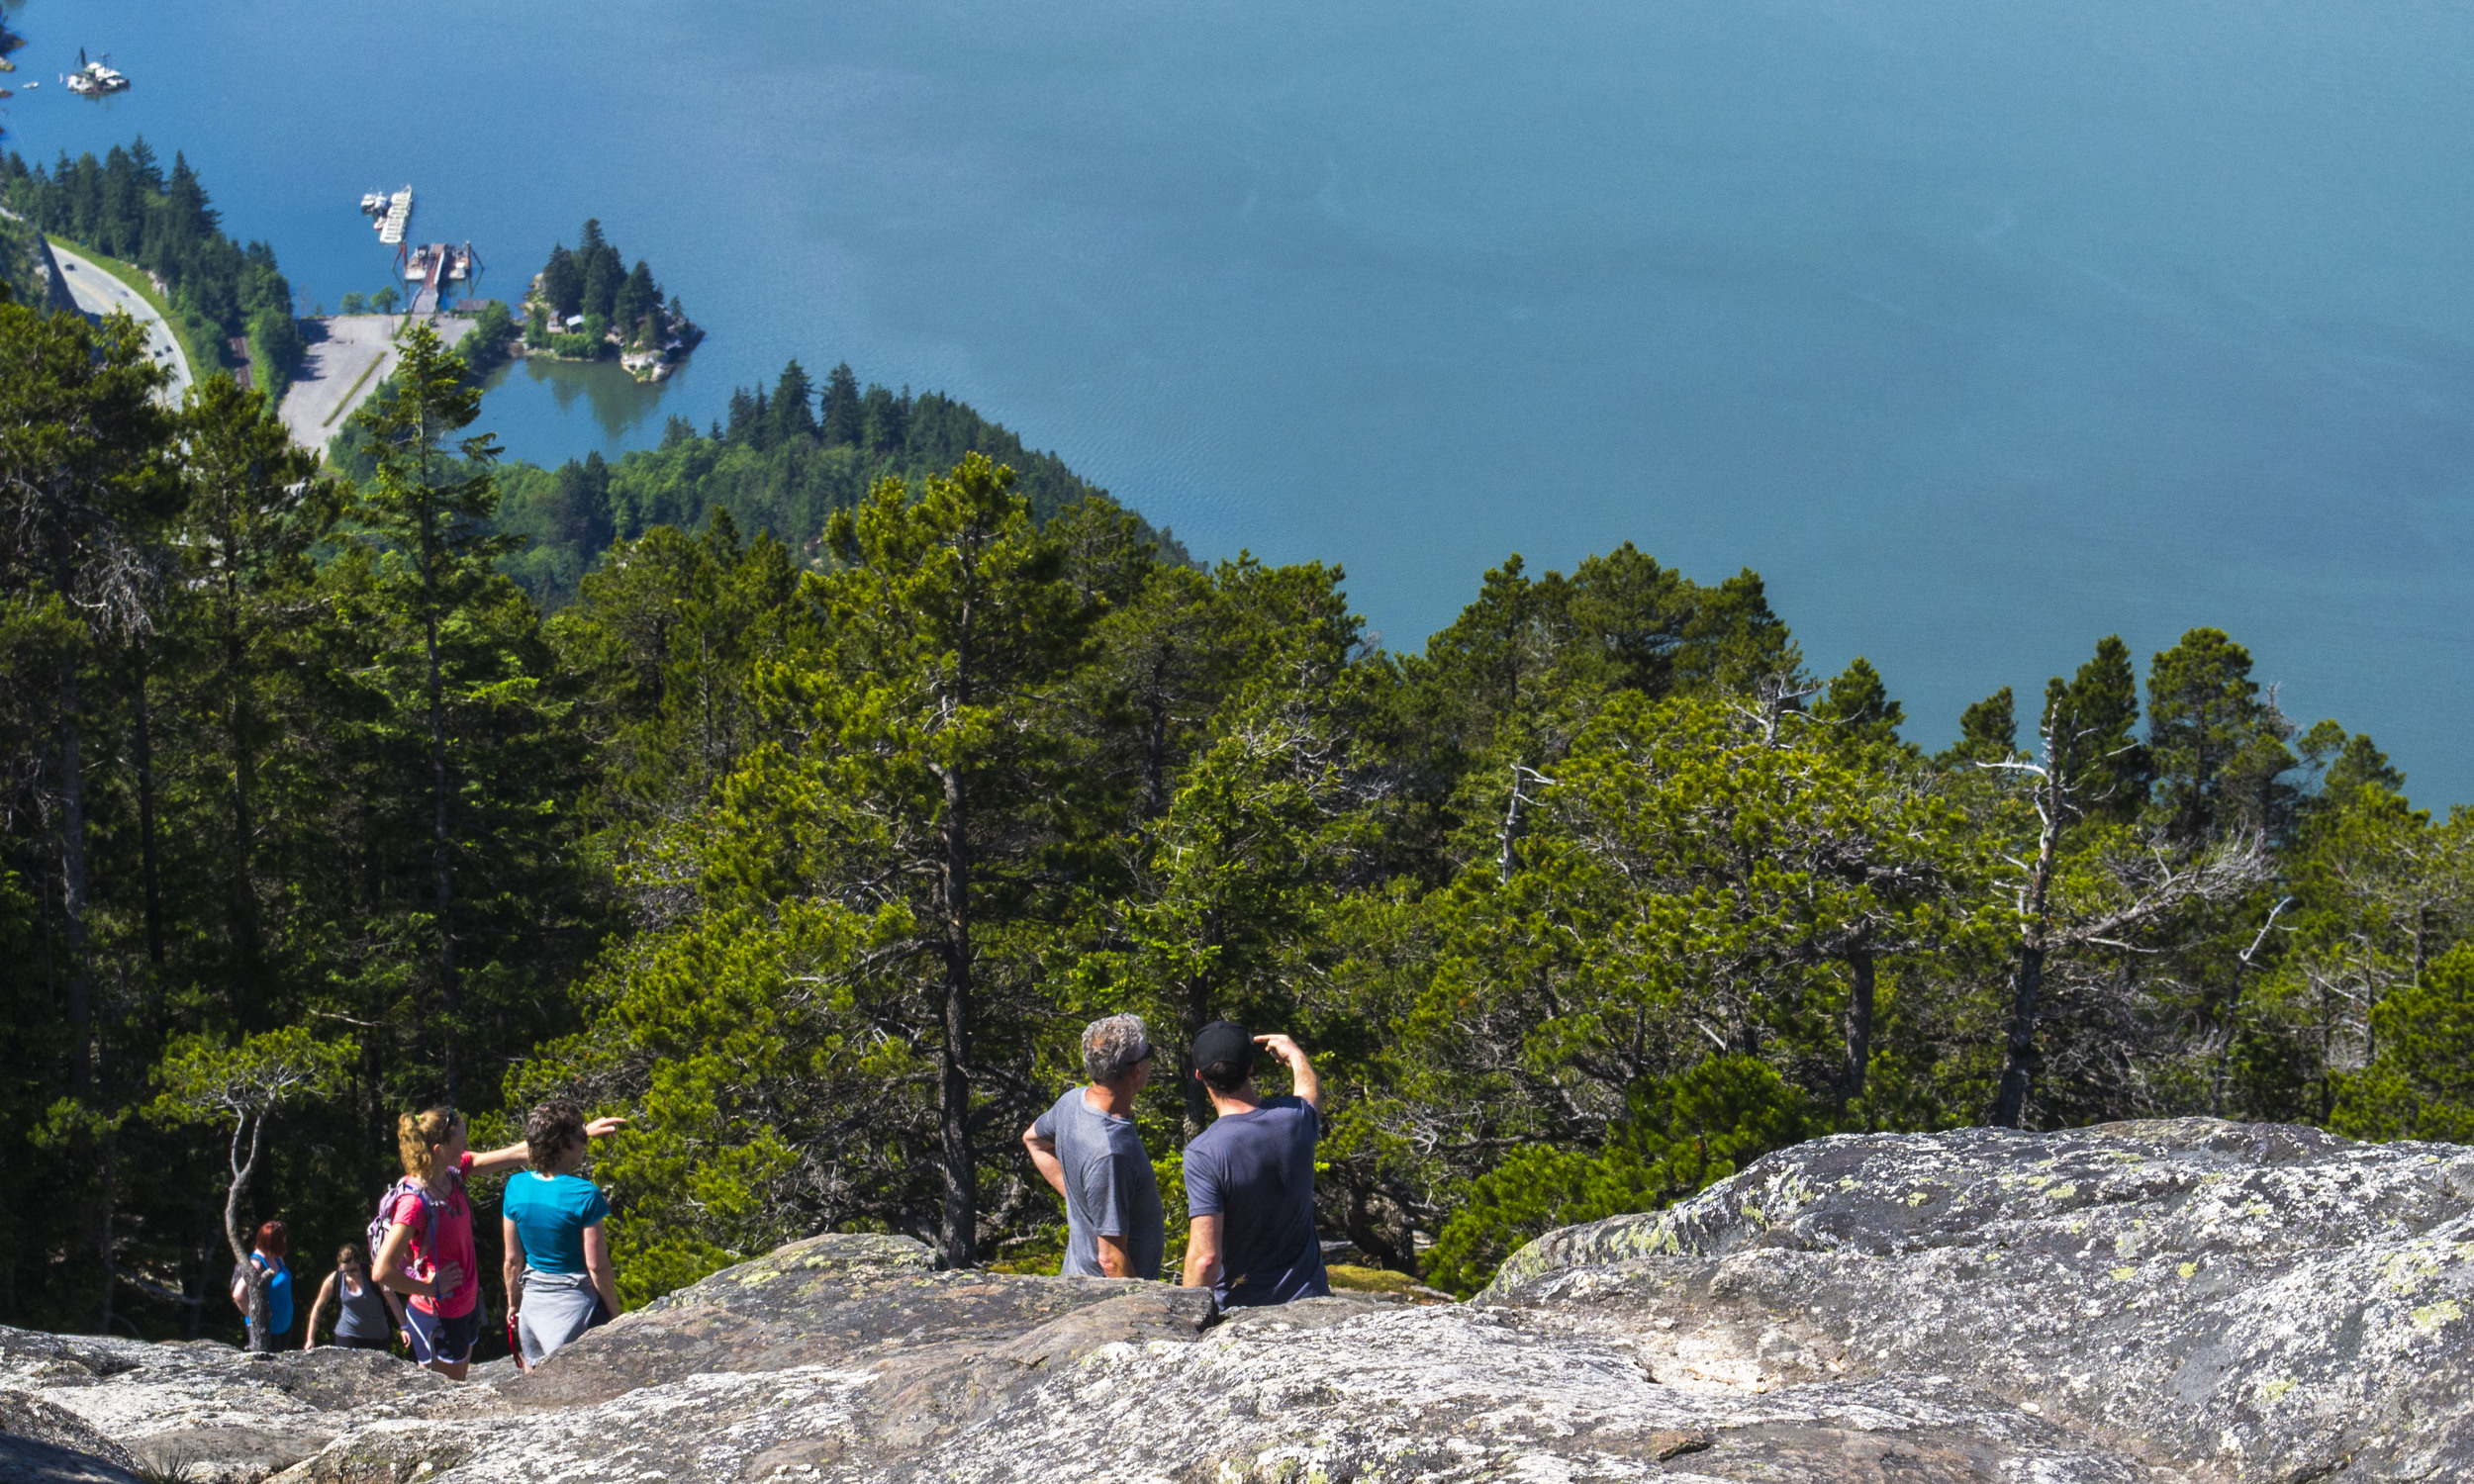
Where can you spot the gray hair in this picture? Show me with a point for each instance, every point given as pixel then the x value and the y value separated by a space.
pixel 1114 1046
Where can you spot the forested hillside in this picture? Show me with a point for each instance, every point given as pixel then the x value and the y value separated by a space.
pixel 787 459
pixel 126 205
pixel 812 856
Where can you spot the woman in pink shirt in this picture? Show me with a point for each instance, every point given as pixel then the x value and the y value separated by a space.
pixel 429 1253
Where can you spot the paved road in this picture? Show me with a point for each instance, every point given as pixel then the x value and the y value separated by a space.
pixel 99 293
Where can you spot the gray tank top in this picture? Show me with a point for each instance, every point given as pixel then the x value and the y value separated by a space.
pixel 364 1314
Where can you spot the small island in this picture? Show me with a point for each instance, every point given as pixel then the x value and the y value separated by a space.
pixel 586 305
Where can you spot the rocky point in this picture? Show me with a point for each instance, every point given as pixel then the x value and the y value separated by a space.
pixel 2187 1301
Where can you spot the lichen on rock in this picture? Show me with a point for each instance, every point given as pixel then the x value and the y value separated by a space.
pixel 2188 1302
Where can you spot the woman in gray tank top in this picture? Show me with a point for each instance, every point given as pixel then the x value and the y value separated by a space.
pixel 367 1317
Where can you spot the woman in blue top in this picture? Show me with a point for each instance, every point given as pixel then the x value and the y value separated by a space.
pixel 266 1253
pixel 558 1272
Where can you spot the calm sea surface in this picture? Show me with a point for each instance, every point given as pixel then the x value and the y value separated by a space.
pixel 1981 330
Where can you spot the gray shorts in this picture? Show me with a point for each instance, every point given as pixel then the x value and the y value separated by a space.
pixel 558 1306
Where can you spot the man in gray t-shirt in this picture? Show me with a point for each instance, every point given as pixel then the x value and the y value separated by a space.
pixel 1087 1148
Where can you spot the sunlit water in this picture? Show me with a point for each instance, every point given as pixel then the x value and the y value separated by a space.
pixel 1981 330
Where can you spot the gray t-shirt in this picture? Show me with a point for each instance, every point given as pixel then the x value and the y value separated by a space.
pixel 1256 1173
pixel 1110 1190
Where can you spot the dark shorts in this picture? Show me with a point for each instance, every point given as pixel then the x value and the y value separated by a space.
pixel 448 1341
pixel 364 1342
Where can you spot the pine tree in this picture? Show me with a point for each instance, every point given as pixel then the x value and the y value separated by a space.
pixel 425 519
pixel 637 297
pixel 844 423
pixel 84 495
pixel 2218 748
pixel 791 412
pixel 1859 706
pixel 2092 719
pixel 951 624
pixel 562 283
pixel 2421 1083
pixel 1988 732
pixel 602 270
pixel 255 511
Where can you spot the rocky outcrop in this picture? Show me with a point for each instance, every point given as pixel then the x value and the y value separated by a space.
pixel 2253 1301
pixel 32 275
pixel 204 1412
pixel 2158 1302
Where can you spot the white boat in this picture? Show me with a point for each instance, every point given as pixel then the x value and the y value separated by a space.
pixel 93 79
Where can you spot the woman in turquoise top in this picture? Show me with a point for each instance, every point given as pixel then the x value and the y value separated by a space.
pixel 266 1254
pixel 557 1256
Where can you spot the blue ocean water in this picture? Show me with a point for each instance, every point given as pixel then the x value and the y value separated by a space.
pixel 1981 330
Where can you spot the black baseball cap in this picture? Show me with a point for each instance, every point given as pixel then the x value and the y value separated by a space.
pixel 1223 1043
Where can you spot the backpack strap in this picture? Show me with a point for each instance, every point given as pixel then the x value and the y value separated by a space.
pixel 428 1209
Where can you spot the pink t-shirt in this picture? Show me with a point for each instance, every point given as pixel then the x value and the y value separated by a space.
pixel 454 1245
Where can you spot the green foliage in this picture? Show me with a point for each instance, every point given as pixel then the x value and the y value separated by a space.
pixel 591 282
pixel 2090 722
pixel 777 470
pixel 275 347
pixel 126 207
pixel 2421 1083
pixel 855 772
pixel 2218 749
pixel 1859 705
pixel 483 349
pixel 460 684
pixel 767 1104
pixel 1988 732
pixel 1681 1134
pixel 204 1080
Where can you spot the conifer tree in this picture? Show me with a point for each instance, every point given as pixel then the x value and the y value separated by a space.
pixel 843 421
pixel 255 508
pixel 84 495
pixel 1988 732
pixel 1859 707
pixel 638 296
pixel 562 282
pixel 950 624
pixel 424 520
pixel 2218 748
pixel 792 409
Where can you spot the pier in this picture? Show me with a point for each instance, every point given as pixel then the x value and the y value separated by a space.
pixel 433 265
pixel 399 216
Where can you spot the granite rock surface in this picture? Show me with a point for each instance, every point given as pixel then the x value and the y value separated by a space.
pixel 2188 1302
pixel 2251 1301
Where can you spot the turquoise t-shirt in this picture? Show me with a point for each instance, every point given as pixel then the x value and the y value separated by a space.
pixel 278 1295
pixel 550 1213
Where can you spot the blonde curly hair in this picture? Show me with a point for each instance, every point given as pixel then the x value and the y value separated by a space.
pixel 418 1136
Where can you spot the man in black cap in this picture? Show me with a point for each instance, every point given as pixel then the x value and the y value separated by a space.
pixel 1250 1176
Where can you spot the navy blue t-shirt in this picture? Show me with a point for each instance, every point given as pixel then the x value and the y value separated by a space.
pixel 1256 1173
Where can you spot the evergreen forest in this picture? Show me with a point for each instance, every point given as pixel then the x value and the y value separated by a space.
pixel 787 459
pixel 587 303
pixel 800 787
pixel 126 205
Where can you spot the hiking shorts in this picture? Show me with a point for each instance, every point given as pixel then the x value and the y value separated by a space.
pixel 447 1341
